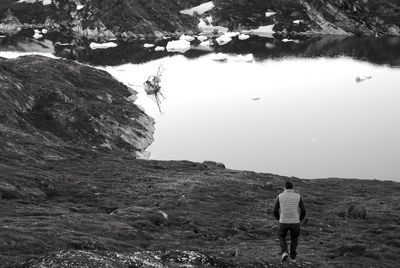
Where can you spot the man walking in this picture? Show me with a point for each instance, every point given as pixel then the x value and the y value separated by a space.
pixel 289 210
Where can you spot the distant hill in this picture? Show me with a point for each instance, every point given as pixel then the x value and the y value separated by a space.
pixel 135 18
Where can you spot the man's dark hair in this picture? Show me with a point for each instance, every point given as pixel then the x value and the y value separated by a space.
pixel 288 185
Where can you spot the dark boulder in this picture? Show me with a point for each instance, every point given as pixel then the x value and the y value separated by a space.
pixel 356 212
pixel 213 165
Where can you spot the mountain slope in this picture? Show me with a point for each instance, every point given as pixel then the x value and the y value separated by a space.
pixel 139 18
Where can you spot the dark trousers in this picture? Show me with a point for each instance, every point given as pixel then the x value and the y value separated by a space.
pixel 294 229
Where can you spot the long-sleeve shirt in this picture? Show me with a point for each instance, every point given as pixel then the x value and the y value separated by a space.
pixel 289 207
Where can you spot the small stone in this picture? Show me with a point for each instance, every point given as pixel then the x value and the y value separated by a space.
pixel 356 212
pixel 270 186
pixel 212 164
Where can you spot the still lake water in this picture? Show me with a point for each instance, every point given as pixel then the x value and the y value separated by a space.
pixel 287 112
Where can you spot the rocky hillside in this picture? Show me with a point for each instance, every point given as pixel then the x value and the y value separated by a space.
pixel 64 107
pixel 72 193
pixel 336 17
pixel 106 19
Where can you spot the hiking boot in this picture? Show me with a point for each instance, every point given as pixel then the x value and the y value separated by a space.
pixel 285 256
pixel 293 260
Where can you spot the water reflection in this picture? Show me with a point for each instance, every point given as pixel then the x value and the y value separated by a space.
pixel 300 117
pixel 383 51
pixel 301 108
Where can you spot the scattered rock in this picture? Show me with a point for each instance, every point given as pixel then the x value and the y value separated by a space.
pixel 394 30
pixel 104 259
pixel 270 186
pixel 360 79
pixel 349 251
pixel 214 165
pixel 356 212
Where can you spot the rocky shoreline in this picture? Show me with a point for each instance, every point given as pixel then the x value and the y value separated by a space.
pixel 65 105
pixel 72 191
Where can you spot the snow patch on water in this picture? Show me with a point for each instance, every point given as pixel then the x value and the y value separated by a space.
pixel 158 48
pixel 180 46
pixel 94 45
pixel 186 38
pixel 243 37
pixel 223 39
pixel 262 31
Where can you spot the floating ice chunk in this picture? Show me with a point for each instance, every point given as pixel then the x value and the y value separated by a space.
pixel 220 57
pixel 79 7
pixel 202 38
pixel 47 2
pixel 37 34
pixel 187 38
pixel 269 14
pixel 360 79
pixel 206 43
pixel 245 58
pixel 285 40
pixel 296 21
pixel 94 45
pixel 146 45
pixel 159 48
pixel 200 9
pixel 262 31
pixel 180 46
pixel 223 39
pixel 232 34
pixel 243 36
pixel 44 31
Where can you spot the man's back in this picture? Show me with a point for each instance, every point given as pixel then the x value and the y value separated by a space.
pixel 289 207
pixel 289 210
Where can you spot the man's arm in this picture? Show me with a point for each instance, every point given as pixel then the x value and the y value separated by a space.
pixel 302 210
pixel 276 208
